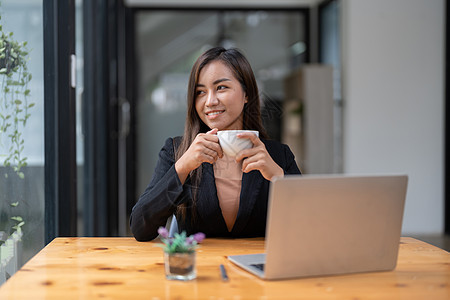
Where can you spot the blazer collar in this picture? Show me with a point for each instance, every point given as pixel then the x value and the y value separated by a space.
pixel 209 207
pixel 251 184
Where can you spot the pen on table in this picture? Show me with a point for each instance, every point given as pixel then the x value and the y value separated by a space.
pixel 223 273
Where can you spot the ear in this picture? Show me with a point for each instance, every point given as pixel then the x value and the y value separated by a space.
pixel 246 99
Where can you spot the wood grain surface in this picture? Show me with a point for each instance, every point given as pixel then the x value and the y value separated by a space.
pixel 122 268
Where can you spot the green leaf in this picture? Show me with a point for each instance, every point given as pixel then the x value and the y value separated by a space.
pixel 21 175
pixel 17 227
pixel 14 204
pixel 17 102
pixel 17 218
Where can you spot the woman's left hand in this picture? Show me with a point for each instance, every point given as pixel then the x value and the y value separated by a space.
pixel 257 158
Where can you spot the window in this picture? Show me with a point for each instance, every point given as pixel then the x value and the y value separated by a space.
pixel 21 143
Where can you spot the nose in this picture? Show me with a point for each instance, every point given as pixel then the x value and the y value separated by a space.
pixel 212 99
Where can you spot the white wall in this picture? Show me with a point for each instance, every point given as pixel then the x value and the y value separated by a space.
pixel 393 85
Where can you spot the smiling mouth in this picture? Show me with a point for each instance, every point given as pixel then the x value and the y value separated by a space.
pixel 214 113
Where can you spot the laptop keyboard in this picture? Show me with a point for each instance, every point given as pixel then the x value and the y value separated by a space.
pixel 258 266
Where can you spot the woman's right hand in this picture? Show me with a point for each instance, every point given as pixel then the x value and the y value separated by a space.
pixel 204 148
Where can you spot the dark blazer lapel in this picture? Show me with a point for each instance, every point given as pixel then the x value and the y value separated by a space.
pixel 251 184
pixel 208 206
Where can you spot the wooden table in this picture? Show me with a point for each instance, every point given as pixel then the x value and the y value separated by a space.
pixel 121 268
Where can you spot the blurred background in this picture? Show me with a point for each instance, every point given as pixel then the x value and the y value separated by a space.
pixel 352 86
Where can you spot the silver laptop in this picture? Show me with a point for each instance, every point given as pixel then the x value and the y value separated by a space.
pixel 329 225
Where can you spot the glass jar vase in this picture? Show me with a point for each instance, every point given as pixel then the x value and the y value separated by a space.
pixel 180 266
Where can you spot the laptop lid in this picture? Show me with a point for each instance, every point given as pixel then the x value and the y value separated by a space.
pixel 338 224
pixel 327 225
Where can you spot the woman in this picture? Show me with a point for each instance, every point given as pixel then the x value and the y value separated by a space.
pixel 193 179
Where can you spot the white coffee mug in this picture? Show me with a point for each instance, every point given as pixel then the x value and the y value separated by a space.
pixel 231 144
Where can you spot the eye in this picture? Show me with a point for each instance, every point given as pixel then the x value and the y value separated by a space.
pixel 199 92
pixel 221 87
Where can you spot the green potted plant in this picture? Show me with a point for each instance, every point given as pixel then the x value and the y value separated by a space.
pixel 14 114
pixel 179 254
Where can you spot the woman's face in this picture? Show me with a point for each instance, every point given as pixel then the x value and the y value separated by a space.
pixel 219 99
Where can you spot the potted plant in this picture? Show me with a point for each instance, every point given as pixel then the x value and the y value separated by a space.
pixel 179 254
pixel 14 114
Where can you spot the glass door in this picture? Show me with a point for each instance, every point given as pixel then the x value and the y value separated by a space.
pixel 22 197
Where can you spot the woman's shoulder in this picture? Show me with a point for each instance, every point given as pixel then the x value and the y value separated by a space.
pixel 177 140
pixel 172 141
pixel 168 149
pixel 272 145
pixel 280 152
pixel 282 155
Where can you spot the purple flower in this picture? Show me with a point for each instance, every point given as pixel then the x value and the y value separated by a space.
pixel 162 231
pixel 199 237
pixel 189 241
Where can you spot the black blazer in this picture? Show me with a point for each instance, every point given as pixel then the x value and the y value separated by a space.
pixel 165 192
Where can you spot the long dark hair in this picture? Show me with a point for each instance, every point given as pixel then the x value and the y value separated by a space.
pixel 243 72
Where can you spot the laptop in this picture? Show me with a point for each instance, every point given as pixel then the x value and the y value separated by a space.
pixel 330 225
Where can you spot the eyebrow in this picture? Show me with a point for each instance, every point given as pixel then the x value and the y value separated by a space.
pixel 215 82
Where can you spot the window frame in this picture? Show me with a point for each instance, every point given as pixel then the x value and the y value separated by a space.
pixel 59 120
